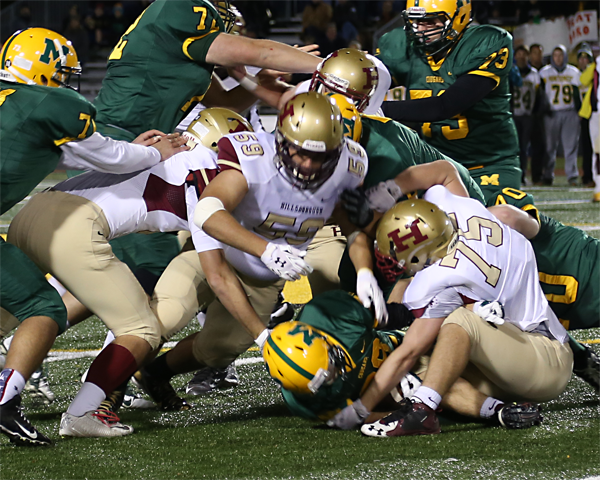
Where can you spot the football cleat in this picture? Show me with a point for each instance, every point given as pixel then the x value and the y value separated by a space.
pixel 208 379
pixel 100 423
pixel 519 415
pixel 124 398
pixel 161 392
pixel 38 388
pixel 16 426
pixel 411 419
pixel 587 367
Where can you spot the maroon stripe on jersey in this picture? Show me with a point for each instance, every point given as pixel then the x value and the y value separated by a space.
pixel 466 300
pixel 418 313
pixel 201 178
pixel 227 154
pixel 163 196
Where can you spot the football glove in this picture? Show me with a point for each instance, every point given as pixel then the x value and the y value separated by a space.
pixel 369 294
pixel 286 262
pixel 492 312
pixel 356 205
pixel 384 195
pixel 350 417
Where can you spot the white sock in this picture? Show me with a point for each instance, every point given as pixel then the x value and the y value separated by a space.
pixel 428 396
pixel 7 341
pixel 89 398
pixel 57 285
pixel 110 336
pixel 201 317
pixel 488 409
pixel 11 384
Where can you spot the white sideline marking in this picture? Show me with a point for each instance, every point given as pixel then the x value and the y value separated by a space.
pixel 59 356
pixel 562 202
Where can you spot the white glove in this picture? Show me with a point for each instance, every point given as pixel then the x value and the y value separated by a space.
pixel 492 312
pixel 384 195
pixel 285 261
pixel 262 338
pixel 369 293
pixel 349 417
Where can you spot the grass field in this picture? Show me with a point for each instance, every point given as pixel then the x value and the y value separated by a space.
pixel 248 433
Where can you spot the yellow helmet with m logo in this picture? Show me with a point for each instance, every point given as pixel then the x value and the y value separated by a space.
pixel 40 56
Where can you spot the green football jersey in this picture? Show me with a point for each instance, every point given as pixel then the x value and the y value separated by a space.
pixel 482 134
pixel 157 72
pixel 342 316
pixel 34 122
pixel 568 262
pixel 393 147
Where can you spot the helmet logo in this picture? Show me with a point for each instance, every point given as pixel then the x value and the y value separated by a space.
pixel 415 234
pixel 308 334
pixel 51 53
pixel 287 112
pixel 372 75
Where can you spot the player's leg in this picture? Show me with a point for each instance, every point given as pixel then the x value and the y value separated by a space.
pixel 552 129
pixel 570 142
pixel 324 255
pixel 538 148
pixel 27 296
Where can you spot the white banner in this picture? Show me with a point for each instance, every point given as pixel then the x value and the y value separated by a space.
pixel 548 33
pixel 583 26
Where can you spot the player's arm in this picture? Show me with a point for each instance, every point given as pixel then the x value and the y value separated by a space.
pixel 516 219
pixel 462 95
pixel 227 287
pixel 232 50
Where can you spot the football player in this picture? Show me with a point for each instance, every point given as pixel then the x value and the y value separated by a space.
pixel 66 232
pixel 463 256
pixel 42 125
pixel 274 193
pixel 457 84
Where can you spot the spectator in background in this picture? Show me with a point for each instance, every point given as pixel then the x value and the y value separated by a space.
pixel 346 19
pixel 118 23
pixel 100 24
pixel 538 135
pixel 73 13
pixel 586 64
pixel 315 18
pixel 561 86
pixel 387 13
pixel 331 41
pixel 79 37
pixel 23 19
pixel 523 104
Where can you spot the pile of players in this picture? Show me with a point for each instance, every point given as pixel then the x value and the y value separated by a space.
pixel 320 197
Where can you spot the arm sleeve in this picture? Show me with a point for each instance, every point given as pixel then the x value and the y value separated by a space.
pixel 104 154
pixel 466 92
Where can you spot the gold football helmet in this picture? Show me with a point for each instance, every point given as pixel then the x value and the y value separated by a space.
pixel 351 117
pixel 416 233
pixel 227 12
pixel 211 124
pixel 454 14
pixel 348 72
pixel 302 358
pixel 40 56
pixel 310 126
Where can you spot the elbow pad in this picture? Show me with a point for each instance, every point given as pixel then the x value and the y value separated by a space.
pixel 205 209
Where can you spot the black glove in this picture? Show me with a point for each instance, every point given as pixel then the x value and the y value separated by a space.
pixel 398 317
pixel 356 204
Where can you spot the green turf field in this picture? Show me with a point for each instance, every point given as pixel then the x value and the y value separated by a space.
pixel 247 432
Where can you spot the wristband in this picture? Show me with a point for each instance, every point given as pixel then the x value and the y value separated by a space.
pixel 248 84
pixel 262 338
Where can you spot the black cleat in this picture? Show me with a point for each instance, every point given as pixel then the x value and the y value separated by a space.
pixel 587 367
pixel 209 379
pixel 161 392
pixel 519 415
pixel 16 426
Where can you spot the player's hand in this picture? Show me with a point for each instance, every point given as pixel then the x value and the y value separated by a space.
pixel 148 138
pixel 357 206
pixel 285 261
pixel 313 48
pixel 170 145
pixel 262 339
pixel 369 294
pixel 492 312
pixel 384 195
pixel 350 417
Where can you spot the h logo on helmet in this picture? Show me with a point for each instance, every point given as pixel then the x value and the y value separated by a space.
pixel 372 75
pixel 415 234
pixel 51 54
pixel 288 112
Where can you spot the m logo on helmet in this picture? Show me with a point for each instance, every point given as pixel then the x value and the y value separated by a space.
pixel 415 234
pixel 51 54
pixel 308 334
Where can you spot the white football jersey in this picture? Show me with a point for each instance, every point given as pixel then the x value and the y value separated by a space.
pixel 383 85
pixel 273 208
pixel 160 199
pixel 491 262
pixel 559 86
pixel 524 96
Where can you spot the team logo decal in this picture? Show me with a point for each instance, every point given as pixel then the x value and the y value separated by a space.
pixel 415 234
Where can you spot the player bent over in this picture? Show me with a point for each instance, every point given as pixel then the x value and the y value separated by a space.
pixel 274 193
pixel 461 257
pixel 42 126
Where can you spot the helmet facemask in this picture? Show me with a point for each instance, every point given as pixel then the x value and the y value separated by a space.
pixel 336 368
pixel 432 41
pixel 227 12
pixel 328 83
pixel 62 75
pixel 301 177
pixel 389 267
